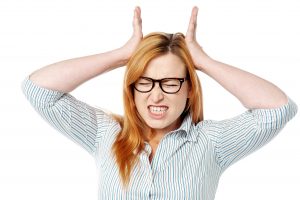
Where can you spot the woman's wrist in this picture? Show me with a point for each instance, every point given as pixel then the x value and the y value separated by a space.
pixel 117 57
pixel 205 62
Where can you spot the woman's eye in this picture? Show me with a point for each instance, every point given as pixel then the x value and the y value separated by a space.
pixel 171 83
pixel 145 84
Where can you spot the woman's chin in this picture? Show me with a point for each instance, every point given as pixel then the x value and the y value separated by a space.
pixel 162 126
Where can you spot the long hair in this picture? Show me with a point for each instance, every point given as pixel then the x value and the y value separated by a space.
pixel 130 141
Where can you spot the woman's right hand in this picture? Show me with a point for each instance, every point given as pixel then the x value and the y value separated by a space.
pixel 131 45
pixel 66 75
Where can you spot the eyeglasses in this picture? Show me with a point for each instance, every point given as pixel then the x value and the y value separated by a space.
pixel 167 85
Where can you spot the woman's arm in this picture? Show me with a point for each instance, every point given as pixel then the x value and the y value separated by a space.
pixel 66 75
pixel 47 91
pixel 251 90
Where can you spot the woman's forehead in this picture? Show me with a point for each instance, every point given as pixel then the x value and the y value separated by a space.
pixel 168 65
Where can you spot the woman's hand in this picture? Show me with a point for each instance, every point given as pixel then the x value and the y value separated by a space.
pixel 66 75
pixel 252 91
pixel 131 45
pixel 198 55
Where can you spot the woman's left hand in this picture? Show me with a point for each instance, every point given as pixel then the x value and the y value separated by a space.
pixel 198 55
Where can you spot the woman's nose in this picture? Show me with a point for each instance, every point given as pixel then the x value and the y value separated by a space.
pixel 157 94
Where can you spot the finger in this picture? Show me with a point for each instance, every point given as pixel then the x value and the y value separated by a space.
pixel 193 22
pixel 191 32
pixel 137 20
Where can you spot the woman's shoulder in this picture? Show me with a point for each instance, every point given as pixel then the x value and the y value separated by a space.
pixel 107 118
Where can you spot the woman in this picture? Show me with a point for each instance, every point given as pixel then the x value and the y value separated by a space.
pixel 162 148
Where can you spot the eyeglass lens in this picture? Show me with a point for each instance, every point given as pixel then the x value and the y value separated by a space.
pixel 168 85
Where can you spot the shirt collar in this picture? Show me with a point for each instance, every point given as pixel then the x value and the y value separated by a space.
pixel 186 130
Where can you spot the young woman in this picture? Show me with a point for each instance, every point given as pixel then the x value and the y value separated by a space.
pixel 162 148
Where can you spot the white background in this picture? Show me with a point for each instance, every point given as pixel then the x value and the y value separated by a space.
pixel 260 36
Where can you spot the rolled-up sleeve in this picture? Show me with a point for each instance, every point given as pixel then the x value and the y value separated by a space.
pixel 73 118
pixel 238 137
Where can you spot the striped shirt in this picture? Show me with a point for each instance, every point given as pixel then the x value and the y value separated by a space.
pixel 188 162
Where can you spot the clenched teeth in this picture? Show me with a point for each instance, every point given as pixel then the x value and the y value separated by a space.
pixel 158 109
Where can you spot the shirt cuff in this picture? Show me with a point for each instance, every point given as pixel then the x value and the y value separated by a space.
pixel 39 96
pixel 276 118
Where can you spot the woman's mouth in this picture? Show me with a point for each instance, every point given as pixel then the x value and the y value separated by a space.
pixel 157 112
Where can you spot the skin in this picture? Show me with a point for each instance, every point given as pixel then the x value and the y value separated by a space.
pixel 164 66
pixel 67 75
pixel 252 91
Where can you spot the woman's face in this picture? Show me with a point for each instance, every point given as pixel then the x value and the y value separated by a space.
pixel 161 111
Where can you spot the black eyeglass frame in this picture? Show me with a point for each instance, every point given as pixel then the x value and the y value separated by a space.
pixel 181 81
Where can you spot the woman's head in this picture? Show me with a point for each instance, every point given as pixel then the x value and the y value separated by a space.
pixel 161 56
pixel 152 101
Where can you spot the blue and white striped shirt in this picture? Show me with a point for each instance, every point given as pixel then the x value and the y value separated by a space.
pixel 188 161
